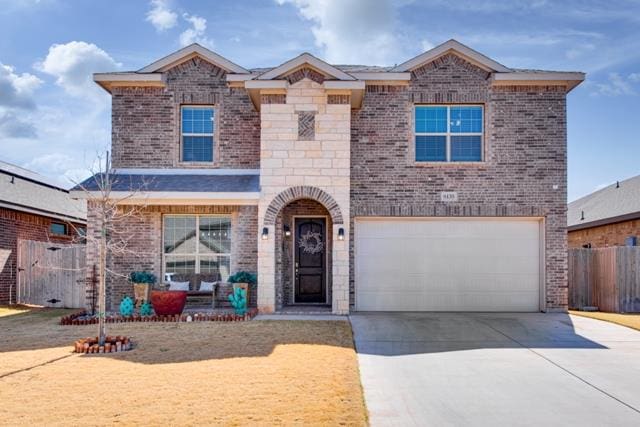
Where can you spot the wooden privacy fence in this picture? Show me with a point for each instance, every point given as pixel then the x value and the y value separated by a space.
pixel 607 278
pixel 50 271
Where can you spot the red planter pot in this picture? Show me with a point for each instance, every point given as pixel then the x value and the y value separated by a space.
pixel 168 303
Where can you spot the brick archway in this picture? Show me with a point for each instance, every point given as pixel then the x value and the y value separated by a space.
pixel 302 192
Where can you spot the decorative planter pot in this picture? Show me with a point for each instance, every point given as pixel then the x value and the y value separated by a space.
pixel 141 293
pixel 168 303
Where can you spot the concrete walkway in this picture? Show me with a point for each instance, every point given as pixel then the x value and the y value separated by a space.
pixel 441 369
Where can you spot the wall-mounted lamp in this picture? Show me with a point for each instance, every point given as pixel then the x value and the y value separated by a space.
pixel 265 233
pixel 340 233
pixel 287 231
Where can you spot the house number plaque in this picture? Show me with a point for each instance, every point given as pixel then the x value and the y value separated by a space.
pixel 448 196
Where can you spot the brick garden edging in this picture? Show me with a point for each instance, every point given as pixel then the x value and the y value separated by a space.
pixel 73 319
pixel 111 345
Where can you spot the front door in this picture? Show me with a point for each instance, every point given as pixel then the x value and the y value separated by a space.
pixel 310 249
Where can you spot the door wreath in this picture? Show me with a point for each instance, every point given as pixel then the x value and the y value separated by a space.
pixel 311 242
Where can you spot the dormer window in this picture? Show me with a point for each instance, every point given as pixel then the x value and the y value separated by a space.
pixel 197 133
pixel 449 133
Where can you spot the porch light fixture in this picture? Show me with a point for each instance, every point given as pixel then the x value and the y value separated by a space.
pixel 265 233
pixel 340 233
pixel 287 231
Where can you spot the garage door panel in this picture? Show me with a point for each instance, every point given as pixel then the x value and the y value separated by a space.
pixel 442 265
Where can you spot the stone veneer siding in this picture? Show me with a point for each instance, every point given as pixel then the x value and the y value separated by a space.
pixel 145 229
pixel 525 154
pixel 322 163
pixel 605 235
pixel 146 121
pixel 14 226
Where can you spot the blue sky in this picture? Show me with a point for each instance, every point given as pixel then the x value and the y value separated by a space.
pixel 54 120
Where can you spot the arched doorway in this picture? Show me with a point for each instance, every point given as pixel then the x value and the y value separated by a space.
pixel 297 266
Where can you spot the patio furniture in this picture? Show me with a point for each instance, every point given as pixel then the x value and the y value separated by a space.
pixel 195 296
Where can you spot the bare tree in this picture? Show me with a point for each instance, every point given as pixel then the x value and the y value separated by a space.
pixel 110 211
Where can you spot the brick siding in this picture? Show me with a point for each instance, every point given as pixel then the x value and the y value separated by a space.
pixel 525 156
pixel 144 251
pixel 605 235
pixel 146 121
pixel 524 153
pixel 14 226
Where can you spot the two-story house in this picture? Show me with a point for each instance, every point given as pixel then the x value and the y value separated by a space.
pixel 437 184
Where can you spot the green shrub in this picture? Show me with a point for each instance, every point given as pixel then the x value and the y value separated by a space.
pixel 243 277
pixel 142 277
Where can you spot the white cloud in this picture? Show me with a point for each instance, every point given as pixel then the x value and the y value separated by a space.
pixel 196 33
pixel 13 126
pixel 161 16
pixel 69 136
pixel 427 45
pixel 579 51
pixel 634 77
pixel 16 90
pixel 353 31
pixel 616 85
pixel 71 123
pixel 17 99
pixel 73 65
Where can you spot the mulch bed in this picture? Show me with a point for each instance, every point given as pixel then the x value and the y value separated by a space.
pixel 85 318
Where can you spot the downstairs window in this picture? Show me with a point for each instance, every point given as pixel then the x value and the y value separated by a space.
pixel 197 244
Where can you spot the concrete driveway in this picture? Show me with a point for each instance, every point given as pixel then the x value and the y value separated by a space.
pixel 497 369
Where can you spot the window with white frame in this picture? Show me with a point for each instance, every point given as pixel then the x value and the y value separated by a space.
pixel 197 244
pixel 197 133
pixel 449 133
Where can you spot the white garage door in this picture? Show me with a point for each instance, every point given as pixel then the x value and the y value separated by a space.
pixel 447 264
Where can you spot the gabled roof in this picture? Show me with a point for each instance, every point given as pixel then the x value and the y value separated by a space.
pixel 308 60
pixel 272 78
pixel 189 52
pixel 455 46
pixel 614 203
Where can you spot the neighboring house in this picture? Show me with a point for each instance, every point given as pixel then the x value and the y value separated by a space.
pixel 607 217
pixel 32 208
pixel 437 184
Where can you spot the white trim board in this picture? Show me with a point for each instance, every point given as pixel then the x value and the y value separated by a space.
pixel 188 52
pixel 299 61
pixel 175 197
pixel 185 171
pixel 452 46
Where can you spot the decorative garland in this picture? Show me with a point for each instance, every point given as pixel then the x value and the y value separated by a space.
pixel 311 243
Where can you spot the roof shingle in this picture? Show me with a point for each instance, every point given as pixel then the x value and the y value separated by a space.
pixel 610 202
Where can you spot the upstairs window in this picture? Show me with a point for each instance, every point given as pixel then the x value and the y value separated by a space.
pixel 449 133
pixel 197 133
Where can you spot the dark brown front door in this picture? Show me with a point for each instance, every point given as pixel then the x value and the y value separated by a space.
pixel 310 250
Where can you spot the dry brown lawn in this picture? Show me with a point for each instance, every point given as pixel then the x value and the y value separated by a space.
pixel 259 373
pixel 629 320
